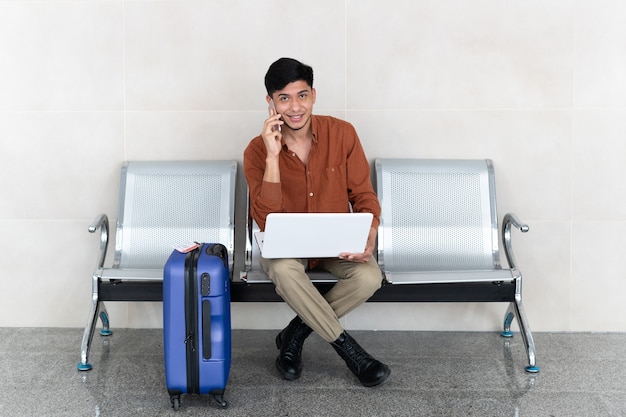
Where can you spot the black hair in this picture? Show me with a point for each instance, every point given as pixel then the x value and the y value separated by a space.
pixel 285 71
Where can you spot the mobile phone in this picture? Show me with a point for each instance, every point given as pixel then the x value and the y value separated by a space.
pixel 271 107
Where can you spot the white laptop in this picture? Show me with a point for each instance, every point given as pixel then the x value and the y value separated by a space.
pixel 313 235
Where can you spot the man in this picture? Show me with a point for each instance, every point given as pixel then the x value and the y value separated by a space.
pixel 307 163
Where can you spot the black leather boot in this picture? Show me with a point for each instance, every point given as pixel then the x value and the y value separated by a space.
pixel 370 371
pixel 290 341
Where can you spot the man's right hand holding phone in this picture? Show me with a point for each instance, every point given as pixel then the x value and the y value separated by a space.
pixel 272 131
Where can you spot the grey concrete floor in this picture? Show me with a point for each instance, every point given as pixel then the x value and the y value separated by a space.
pixel 433 374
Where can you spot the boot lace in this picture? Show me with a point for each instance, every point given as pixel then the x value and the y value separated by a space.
pixel 355 355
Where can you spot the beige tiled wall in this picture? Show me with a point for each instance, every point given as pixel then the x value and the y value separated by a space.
pixel 536 86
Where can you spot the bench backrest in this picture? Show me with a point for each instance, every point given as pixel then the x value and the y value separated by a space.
pixel 437 215
pixel 167 203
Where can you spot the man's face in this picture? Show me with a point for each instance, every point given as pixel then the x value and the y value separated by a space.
pixel 295 104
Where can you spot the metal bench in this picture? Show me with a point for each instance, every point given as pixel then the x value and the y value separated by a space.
pixel 438 240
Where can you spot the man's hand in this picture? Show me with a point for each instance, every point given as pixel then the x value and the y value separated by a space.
pixel 272 134
pixel 367 254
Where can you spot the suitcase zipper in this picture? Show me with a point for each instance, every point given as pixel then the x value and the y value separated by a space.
pixel 191 322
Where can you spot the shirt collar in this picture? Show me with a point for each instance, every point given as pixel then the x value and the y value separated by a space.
pixel 314 127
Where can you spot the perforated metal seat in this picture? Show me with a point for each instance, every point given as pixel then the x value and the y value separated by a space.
pixel 439 224
pixel 161 204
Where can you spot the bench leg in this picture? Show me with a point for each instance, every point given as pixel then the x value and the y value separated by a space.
pixel 516 310
pixel 97 310
pixel 104 318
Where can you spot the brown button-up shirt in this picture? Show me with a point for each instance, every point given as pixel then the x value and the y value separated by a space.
pixel 336 177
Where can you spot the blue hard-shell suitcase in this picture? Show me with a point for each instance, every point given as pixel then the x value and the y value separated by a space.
pixel 196 323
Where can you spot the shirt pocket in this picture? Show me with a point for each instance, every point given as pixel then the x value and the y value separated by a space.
pixel 334 188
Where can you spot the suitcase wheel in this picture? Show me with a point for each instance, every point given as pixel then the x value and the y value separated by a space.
pixel 175 399
pixel 220 400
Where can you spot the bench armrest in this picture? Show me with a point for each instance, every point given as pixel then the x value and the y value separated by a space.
pixel 511 220
pixel 101 222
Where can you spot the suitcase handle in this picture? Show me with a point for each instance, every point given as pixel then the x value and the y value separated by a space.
pixel 219 250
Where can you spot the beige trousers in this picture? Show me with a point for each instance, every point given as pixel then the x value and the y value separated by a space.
pixel 356 283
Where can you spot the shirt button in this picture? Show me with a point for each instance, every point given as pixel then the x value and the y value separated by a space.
pixel 310 194
pixel 293 154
